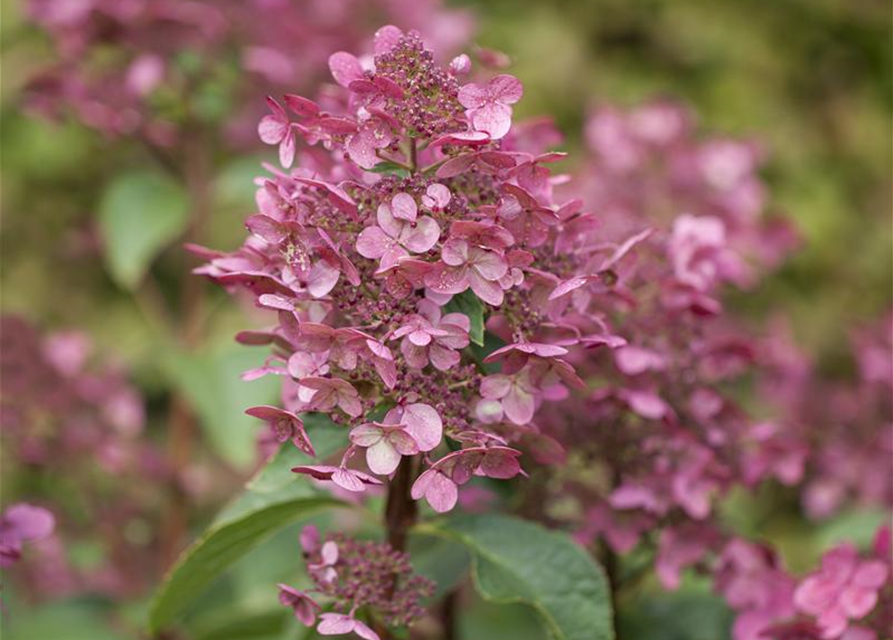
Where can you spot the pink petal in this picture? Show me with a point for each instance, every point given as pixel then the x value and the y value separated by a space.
pixel 345 68
pixel 870 574
pixel 322 279
pixel 416 357
pixel 496 386
pixel 403 443
pixel 360 628
pixel 489 264
pixel 386 38
pixel 447 280
pixel 329 552
pixel 333 624
pixel 386 220
pixel 857 601
pixel 454 252
pixel 473 96
pixel 373 242
pixel 423 423
pixel 438 195
pixel 403 207
pixel 301 106
pixel 489 292
pixel 361 149
pixel 501 464
pixel 366 435
pixel 440 492
pixel 442 358
pixel 421 238
pixel 287 149
pixel 506 89
pixel 519 405
pixel 494 119
pixel 272 129
pixel 382 458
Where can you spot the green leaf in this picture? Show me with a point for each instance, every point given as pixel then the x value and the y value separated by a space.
pixel 390 168
pixel 468 303
pixel 140 214
pixel 211 380
pixel 273 499
pixel 516 561
pixel 442 560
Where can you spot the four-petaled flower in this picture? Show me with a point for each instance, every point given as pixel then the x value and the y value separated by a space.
pixel 286 426
pixel 488 105
pixel 405 431
pixel 429 337
pixel 399 232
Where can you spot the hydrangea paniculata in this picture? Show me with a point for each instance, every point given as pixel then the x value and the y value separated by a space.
pixel 411 214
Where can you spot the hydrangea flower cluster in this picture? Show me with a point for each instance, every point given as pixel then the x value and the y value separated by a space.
pixel 356 576
pixel 416 214
pixel 122 64
pixel 64 412
pixel 661 437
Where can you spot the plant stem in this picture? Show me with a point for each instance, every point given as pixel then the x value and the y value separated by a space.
pixel 448 615
pixel 400 508
pixel 612 569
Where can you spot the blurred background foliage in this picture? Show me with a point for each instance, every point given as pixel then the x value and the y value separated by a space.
pixel 811 80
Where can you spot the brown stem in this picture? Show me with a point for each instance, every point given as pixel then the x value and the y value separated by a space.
pixel 182 425
pixel 400 514
pixel 448 615
pixel 400 509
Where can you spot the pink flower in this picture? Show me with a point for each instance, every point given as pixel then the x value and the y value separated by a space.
pixel 488 106
pixel 437 197
pixel 349 479
pixel 399 232
pixel 285 425
pixel 844 588
pixel 429 337
pixel 439 484
pixel 276 129
pixel 385 444
pixel 464 265
pixel 304 606
pixel 324 394
pixel 336 624
pixel 512 396
pixel 22 523
pixel 437 488
pixel 405 431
